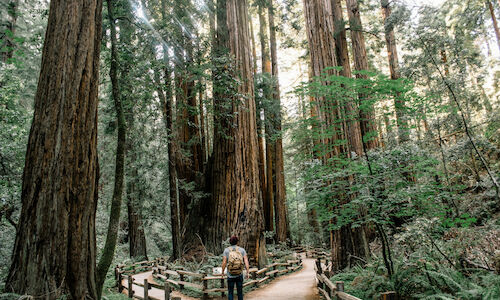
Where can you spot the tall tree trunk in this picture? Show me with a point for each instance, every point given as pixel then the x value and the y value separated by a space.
pixel 235 188
pixel 282 226
pixel 366 112
pixel 167 100
pixel 347 241
pixel 494 20
pixel 114 216
pixel 260 130
pixel 320 33
pixel 266 71
pixel 167 109
pixel 353 130
pixel 136 236
pixel 392 54
pixel 189 156
pixel 201 108
pixel 8 36
pixel 55 247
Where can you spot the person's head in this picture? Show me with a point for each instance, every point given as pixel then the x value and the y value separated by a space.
pixel 233 240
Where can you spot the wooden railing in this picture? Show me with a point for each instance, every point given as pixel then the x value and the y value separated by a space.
pixel 335 290
pixel 328 289
pixel 201 282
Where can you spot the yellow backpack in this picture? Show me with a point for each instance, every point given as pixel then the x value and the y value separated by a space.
pixel 235 264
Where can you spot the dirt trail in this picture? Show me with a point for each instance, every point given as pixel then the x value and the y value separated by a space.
pixel 297 286
pixel 300 285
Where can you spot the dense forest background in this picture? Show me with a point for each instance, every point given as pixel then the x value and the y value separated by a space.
pixel 378 138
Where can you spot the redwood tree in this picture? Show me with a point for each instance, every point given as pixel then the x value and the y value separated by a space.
pixel 392 54
pixel 269 195
pixel 55 248
pixel 366 112
pixel 235 204
pixel 282 226
pixel 116 201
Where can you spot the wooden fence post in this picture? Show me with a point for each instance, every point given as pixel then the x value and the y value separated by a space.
pixel 181 286
pixel 120 286
pixel 146 289
pixel 340 286
pixel 274 269
pixel 166 288
pixel 319 271
pixel 130 282
pixel 222 285
pixel 318 266
pixel 205 286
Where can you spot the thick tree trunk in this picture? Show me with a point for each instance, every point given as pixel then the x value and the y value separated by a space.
pixel 166 101
pixel 367 113
pixel 189 157
pixel 7 44
pixel 54 252
pixel 392 54
pixel 114 216
pixel 327 52
pixel 236 203
pixel 353 130
pixel 268 197
pixel 260 130
pixel 167 109
pixel 494 20
pixel 282 226
pixel 136 236
pixel 347 241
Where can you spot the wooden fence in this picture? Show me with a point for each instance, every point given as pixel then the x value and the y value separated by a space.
pixel 201 282
pixel 331 290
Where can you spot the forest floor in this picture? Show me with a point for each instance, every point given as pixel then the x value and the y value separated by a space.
pixel 300 285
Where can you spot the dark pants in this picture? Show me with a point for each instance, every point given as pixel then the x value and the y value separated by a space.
pixel 239 286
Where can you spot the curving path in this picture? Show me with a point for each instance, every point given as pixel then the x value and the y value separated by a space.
pixel 300 285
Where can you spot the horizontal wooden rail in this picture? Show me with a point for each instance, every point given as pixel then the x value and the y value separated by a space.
pixel 331 290
pixel 181 278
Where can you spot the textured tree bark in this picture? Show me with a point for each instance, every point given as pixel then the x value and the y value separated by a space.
pixel 351 111
pixel 347 241
pixel 392 54
pixel 260 131
pixel 167 110
pixel 136 236
pixel 54 252
pixel 321 18
pixel 189 157
pixel 281 213
pixel 201 108
pixel 320 33
pixel 8 41
pixel 367 113
pixel 494 20
pixel 269 144
pixel 116 201
pixel 235 203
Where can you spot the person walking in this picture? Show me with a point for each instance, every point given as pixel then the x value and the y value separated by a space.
pixel 234 257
